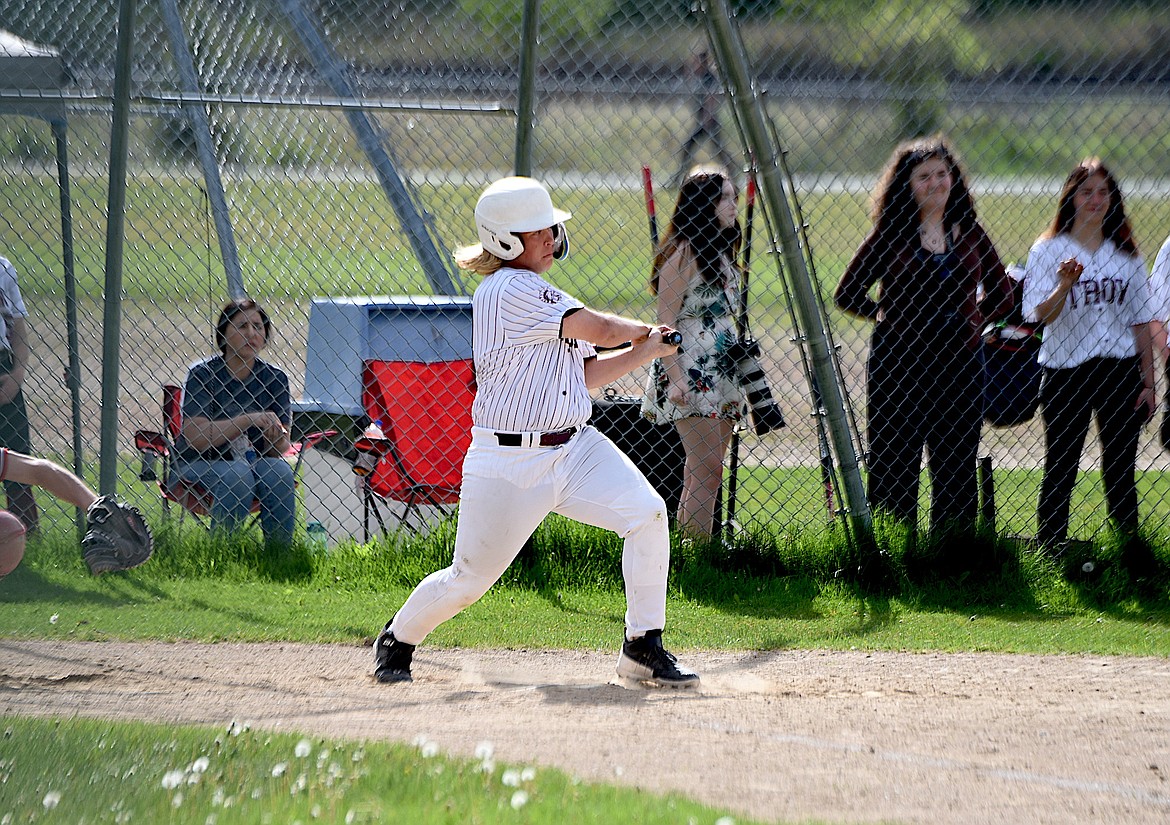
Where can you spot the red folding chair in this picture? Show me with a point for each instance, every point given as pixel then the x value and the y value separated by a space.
pixel 425 410
pixel 157 450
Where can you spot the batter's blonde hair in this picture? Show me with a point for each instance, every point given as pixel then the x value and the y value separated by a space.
pixel 478 260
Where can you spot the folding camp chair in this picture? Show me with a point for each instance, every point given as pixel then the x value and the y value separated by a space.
pixel 158 448
pixel 425 410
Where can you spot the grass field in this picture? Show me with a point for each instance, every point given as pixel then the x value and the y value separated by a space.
pixel 156 773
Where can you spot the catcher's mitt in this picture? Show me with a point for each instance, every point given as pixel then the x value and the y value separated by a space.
pixel 116 537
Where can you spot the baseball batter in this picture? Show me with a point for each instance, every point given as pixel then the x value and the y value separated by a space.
pixel 532 452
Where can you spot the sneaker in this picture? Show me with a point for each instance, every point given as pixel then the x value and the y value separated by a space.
pixel 391 658
pixel 645 660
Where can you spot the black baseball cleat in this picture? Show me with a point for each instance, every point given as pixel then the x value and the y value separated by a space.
pixel 645 660
pixel 391 658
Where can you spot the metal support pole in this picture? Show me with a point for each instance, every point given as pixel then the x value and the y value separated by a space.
pixel 73 366
pixel 526 105
pixel 201 128
pixel 734 64
pixel 333 70
pixel 115 237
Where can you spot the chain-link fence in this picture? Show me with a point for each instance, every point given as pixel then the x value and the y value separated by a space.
pixel 325 157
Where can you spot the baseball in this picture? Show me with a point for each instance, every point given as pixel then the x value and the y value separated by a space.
pixel 11 542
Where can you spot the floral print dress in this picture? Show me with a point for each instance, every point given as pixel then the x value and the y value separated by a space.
pixel 707 324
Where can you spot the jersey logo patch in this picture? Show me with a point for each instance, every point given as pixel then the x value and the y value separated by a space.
pixel 550 296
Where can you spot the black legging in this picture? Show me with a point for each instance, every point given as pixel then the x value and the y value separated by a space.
pixel 1108 387
pixel 924 390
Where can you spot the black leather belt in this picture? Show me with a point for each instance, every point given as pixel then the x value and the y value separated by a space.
pixel 553 439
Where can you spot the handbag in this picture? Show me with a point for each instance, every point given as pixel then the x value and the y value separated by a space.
pixel 1011 386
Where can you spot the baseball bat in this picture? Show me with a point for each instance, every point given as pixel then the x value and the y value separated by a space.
pixel 648 189
pixel 741 330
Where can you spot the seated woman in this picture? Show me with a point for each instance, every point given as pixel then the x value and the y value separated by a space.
pixel 236 414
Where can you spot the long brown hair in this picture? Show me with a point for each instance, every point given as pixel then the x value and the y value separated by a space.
pixel 694 221
pixel 895 212
pixel 1114 228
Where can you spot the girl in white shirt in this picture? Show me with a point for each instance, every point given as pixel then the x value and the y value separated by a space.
pixel 1086 282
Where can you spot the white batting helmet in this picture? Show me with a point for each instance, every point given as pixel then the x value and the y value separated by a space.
pixel 513 205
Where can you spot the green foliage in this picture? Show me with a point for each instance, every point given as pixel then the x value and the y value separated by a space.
pixel 665 12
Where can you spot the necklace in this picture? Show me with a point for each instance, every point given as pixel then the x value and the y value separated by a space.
pixel 933 238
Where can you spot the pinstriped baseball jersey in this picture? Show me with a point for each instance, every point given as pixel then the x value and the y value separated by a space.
pixel 528 378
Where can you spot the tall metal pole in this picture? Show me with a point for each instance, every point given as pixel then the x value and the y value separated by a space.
pixel 749 108
pixel 115 236
pixel 201 128
pixel 73 368
pixel 526 105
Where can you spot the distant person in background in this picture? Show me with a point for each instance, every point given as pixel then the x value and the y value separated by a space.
pixel 236 413
pixel 14 429
pixel 931 256
pixel 696 279
pixel 707 99
pixel 1086 282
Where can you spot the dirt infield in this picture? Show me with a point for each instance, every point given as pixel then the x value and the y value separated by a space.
pixel 844 737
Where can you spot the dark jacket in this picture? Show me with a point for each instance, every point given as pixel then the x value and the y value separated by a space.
pixel 921 293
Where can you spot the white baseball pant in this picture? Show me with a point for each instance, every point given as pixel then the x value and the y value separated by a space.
pixel 507 492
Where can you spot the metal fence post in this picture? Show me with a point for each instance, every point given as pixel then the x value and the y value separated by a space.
pixel 750 111
pixel 115 238
pixel 526 99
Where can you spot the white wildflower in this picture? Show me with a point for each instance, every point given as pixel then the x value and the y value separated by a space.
pixel 279 769
pixel 511 778
pixel 519 799
pixel 303 749
pixel 52 800
pixel 172 779
pixel 485 750
pixel 200 765
pixel 53 618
